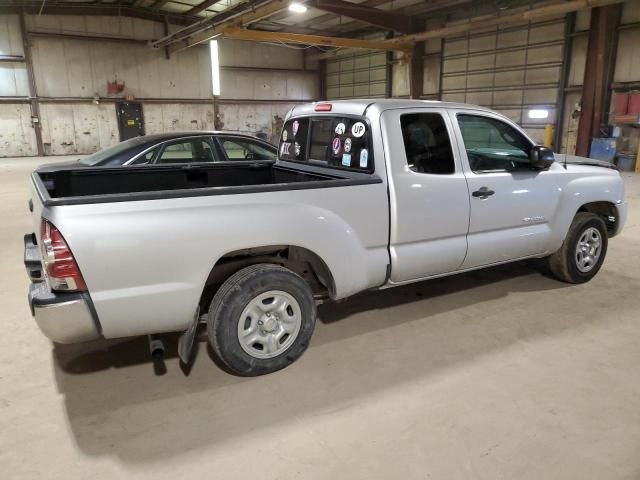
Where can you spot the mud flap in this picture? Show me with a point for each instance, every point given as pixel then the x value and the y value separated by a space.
pixel 185 342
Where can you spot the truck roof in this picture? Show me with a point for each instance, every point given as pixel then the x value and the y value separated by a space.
pixel 358 106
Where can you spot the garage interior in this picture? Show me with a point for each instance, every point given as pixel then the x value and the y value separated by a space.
pixel 498 373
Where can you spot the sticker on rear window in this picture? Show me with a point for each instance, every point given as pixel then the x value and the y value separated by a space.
pixel 284 148
pixel 284 135
pixel 336 146
pixel 346 160
pixel 364 158
pixel 296 149
pixel 340 128
pixel 347 145
pixel 358 129
pixel 294 127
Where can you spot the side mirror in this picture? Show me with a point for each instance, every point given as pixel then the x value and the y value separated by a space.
pixel 541 157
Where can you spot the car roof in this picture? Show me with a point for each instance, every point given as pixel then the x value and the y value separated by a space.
pixel 160 137
pixel 359 105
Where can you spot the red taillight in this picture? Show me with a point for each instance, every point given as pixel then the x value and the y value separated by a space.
pixel 323 107
pixel 62 270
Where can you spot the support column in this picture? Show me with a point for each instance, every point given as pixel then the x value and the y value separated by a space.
pixel 416 64
pixel 416 71
pixel 322 79
pixel 569 27
pixel 33 92
pixel 388 71
pixel 598 73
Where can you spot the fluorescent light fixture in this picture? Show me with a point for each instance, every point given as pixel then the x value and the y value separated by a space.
pixel 215 67
pixel 296 7
pixel 539 113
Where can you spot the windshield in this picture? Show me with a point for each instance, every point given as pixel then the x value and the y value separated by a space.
pixel 112 151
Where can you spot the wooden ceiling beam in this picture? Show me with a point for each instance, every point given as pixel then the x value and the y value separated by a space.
pixel 544 11
pixel 318 40
pixel 243 20
pixel 233 28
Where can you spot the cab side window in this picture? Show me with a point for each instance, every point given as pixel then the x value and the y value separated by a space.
pixel 426 143
pixel 188 150
pixel 493 145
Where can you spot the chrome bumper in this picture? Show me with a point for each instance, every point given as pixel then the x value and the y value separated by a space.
pixel 62 317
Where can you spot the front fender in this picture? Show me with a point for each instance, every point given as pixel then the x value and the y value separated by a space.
pixel 606 186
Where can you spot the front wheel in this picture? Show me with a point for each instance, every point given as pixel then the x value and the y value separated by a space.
pixel 261 320
pixel 583 250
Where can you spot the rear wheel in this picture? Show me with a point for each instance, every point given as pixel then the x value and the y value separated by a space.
pixel 261 320
pixel 583 250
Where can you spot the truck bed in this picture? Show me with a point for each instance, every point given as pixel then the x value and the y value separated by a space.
pixel 101 185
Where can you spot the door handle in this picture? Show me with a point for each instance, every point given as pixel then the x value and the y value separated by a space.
pixel 483 192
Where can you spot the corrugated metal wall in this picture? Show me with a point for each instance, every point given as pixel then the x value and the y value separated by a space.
pixel 17 138
pixel 357 75
pixel 259 83
pixel 511 70
pixel 627 70
pixel 16 134
pixel 628 56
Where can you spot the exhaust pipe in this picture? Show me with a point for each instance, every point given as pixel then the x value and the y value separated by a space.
pixel 156 346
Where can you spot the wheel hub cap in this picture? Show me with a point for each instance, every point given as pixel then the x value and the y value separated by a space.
pixel 269 324
pixel 588 249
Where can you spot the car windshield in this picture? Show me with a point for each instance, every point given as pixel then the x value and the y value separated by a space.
pixel 112 151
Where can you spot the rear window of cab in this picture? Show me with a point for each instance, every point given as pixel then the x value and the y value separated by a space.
pixel 330 141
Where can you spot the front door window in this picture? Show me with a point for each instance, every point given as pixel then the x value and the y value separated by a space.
pixel 493 145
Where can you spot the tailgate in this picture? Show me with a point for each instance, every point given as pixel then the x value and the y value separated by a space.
pixel 36 207
pixel 32 240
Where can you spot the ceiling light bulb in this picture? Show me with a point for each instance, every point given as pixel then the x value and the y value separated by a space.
pixel 297 7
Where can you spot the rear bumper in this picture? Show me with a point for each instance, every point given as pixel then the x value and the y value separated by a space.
pixel 32 258
pixel 63 317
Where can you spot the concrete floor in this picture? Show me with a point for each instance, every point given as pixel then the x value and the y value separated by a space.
pixel 496 374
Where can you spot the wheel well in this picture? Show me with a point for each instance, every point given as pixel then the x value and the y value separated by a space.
pixel 606 210
pixel 297 259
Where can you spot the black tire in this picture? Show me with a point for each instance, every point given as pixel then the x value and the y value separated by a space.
pixel 563 263
pixel 229 303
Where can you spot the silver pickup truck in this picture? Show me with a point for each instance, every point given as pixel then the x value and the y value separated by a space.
pixel 365 194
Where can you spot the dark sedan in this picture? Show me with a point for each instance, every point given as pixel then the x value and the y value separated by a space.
pixel 179 147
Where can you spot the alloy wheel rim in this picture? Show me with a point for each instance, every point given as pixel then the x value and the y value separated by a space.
pixel 269 324
pixel 588 249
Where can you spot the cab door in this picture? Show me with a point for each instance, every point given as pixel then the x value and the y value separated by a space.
pixel 511 203
pixel 428 193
